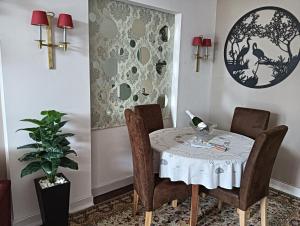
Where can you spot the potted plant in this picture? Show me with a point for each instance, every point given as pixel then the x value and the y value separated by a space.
pixel 48 152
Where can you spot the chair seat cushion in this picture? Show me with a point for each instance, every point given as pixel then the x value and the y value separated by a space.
pixel 230 196
pixel 167 191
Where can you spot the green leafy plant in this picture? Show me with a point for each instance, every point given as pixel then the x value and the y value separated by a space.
pixel 50 148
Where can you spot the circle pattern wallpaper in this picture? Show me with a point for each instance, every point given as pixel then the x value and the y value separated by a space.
pixel 131 59
pixel 263 47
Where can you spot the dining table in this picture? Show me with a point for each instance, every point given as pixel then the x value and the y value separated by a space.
pixel 213 159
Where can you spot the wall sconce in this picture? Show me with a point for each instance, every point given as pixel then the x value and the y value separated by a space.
pixel 41 18
pixel 200 42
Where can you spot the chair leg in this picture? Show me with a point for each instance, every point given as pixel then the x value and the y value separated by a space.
pixel 148 218
pixel 135 202
pixel 248 214
pixel 263 211
pixel 194 205
pixel 174 203
pixel 242 217
pixel 220 203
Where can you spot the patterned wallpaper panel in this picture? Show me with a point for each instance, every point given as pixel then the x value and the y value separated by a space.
pixel 131 54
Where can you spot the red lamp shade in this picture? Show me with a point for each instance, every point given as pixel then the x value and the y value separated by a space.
pixel 207 42
pixel 39 18
pixel 65 21
pixel 197 41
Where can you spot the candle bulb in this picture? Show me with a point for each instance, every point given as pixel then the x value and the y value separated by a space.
pixel 40 41
pixel 65 35
pixel 41 33
pixel 206 52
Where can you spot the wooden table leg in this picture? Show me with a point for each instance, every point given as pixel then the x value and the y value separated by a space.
pixel 194 205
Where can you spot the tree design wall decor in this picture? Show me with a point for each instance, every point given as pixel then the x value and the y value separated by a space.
pixel 263 47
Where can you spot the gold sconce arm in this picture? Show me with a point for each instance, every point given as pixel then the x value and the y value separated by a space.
pixel 63 45
pixel 198 58
pixel 40 43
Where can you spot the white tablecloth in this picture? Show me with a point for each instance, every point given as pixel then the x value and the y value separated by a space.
pixel 179 161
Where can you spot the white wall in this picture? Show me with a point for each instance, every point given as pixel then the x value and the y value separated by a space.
pixel 30 87
pixel 111 159
pixel 282 99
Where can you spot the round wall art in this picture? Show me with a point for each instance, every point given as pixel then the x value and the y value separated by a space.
pixel 263 47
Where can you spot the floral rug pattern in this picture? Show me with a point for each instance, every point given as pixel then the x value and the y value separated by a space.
pixel 283 210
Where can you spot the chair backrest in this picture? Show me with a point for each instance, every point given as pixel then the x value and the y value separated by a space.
pixel 249 122
pixel 151 115
pixel 142 156
pixel 258 170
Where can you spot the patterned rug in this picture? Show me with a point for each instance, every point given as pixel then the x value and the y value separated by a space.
pixel 283 210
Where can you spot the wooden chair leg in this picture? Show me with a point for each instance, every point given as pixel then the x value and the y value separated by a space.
pixel 248 214
pixel 174 203
pixel 263 211
pixel 135 202
pixel 194 205
pixel 148 218
pixel 220 203
pixel 242 217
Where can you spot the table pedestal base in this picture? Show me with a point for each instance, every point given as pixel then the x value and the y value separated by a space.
pixel 194 205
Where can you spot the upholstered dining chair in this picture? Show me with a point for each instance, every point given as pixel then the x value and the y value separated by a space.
pixel 151 115
pixel 5 203
pixel 249 122
pixel 152 192
pixel 256 176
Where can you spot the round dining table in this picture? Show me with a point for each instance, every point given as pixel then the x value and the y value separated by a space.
pixel 213 160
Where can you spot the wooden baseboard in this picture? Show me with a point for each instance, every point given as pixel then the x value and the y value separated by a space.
pixel 113 194
pixel 103 189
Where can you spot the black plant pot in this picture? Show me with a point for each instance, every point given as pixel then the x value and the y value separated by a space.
pixel 54 203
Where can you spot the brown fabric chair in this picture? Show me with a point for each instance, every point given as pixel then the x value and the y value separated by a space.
pixel 249 122
pixel 153 193
pixel 256 177
pixel 151 115
pixel 5 203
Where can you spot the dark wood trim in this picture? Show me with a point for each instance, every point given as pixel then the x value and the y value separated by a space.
pixel 112 194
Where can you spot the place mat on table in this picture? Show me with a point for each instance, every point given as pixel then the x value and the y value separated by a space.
pixel 215 144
